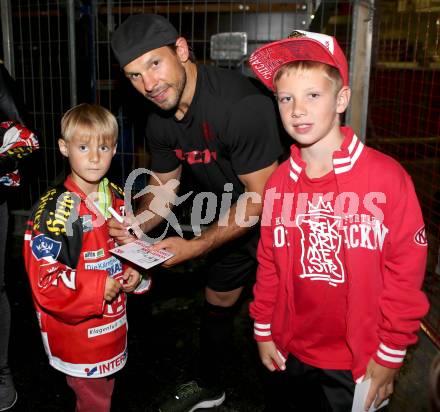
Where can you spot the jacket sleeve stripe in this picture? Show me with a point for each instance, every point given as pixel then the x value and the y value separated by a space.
pixel 261 325
pixel 259 333
pixel 390 351
pixel 389 358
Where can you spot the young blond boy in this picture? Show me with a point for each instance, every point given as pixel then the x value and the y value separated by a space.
pixel 343 248
pixel 77 285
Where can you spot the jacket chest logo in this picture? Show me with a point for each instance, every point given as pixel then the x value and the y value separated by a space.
pixel 322 234
pixel 321 244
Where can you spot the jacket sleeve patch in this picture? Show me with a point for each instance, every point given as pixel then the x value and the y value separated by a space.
pixel 420 237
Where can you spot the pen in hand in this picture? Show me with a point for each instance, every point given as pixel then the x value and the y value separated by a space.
pixel 119 218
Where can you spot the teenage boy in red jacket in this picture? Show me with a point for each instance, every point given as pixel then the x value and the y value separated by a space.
pixel 343 249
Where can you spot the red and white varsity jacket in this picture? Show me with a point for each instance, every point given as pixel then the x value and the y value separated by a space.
pixel 383 244
pixel 67 258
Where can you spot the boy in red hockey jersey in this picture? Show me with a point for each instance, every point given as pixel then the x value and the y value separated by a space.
pixel 77 285
pixel 343 249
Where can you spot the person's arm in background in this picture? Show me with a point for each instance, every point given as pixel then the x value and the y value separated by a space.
pixel 11 109
pixel 11 106
pixel 7 165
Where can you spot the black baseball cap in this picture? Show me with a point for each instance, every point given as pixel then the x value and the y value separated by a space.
pixel 141 33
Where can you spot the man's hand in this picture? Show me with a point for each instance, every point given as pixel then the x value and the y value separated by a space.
pixel 217 235
pixel 270 356
pixel 382 383
pixel 181 248
pixel 112 288
pixel 119 231
pixel 131 278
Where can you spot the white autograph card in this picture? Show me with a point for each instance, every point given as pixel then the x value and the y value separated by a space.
pixel 360 394
pixel 140 253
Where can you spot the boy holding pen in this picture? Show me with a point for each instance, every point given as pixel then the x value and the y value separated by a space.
pixel 78 287
pixel 120 219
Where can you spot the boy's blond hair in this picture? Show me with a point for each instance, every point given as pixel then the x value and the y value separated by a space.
pixel 332 73
pixel 87 121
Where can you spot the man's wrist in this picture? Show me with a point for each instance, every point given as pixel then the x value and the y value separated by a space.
pixel 202 245
pixel 145 219
pixel 146 226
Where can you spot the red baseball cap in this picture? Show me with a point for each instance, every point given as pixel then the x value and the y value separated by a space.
pixel 301 45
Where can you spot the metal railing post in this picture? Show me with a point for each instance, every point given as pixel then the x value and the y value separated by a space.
pixel 360 65
pixel 72 51
pixel 8 40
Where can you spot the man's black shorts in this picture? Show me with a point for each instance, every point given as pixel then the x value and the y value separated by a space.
pixel 230 266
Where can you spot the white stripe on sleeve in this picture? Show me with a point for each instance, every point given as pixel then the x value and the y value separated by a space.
pixel 260 333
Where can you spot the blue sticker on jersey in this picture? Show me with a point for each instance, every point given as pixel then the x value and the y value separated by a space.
pixel 43 247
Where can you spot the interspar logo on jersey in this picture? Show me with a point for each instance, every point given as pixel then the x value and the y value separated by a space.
pixel 91 372
pixel 106 368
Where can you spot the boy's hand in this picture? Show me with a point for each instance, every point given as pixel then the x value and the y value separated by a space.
pixel 382 383
pixel 270 356
pixel 132 278
pixel 112 288
pixel 119 231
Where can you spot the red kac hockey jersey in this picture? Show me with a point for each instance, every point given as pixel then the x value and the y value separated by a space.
pixel 66 252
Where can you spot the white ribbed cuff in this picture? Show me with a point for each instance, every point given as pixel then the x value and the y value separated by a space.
pixel 390 355
pixel 262 329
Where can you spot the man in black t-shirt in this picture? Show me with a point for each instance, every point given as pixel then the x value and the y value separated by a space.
pixel 217 125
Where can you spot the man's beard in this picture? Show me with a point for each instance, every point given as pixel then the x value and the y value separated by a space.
pixel 179 87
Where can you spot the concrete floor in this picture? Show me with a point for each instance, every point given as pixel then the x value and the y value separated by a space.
pixel 411 393
pixel 163 344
